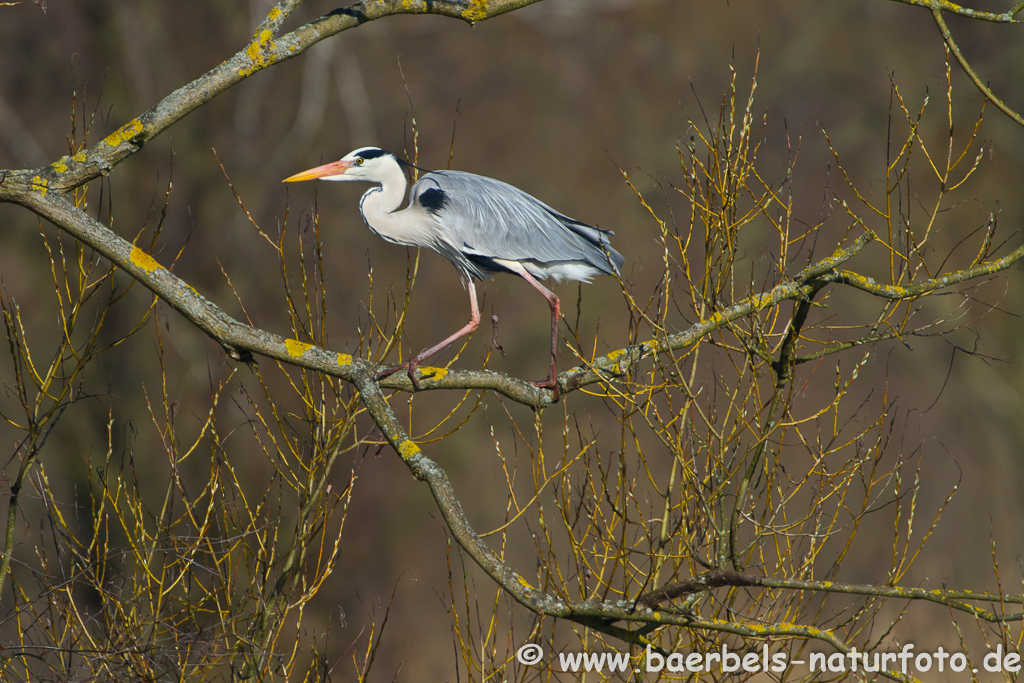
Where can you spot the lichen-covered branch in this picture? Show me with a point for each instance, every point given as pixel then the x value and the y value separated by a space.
pixel 267 48
pixel 242 341
pixel 718 578
pixel 1007 17
pixel 923 287
pixel 735 489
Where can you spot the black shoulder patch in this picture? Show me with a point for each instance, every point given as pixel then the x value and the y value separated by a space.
pixel 372 153
pixel 433 199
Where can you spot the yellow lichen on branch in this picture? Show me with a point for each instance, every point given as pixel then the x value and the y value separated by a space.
pixel 475 11
pixel 256 52
pixel 143 260
pixel 124 133
pixel 407 449
pixel 42 184
pixel 296 348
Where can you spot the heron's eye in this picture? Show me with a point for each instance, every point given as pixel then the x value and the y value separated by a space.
pixel 359 161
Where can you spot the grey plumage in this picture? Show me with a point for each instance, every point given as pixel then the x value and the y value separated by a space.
pixel 488 219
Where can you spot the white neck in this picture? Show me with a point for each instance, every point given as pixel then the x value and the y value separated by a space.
pixel 386 199
pixel 379 207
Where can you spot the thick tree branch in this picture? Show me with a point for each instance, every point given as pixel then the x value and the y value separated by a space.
pixel 917 289
pixel 595 614
pixel 264 50
pixel 719 578
pixel 800 287
pixel 426 470
pixel 242 341
pixel 42 191
pixel 953 8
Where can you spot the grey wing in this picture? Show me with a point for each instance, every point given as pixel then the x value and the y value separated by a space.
pixel 485 219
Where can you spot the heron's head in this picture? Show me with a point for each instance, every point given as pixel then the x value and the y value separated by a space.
pixel 366 163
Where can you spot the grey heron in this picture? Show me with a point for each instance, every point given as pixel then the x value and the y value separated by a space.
pixel 481 225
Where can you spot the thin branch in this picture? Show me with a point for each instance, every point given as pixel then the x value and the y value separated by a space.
pixel 966 66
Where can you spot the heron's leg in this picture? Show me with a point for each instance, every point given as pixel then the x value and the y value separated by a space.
pixel 414 362
pixel 468 328
pixel 550 382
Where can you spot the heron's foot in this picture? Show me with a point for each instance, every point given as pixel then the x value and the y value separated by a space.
pixel 413 367
pixel 390 371
pixel 549 383
pixel 410 366
pixel 407 365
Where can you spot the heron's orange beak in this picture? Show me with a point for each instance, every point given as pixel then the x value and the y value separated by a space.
pixel 333 168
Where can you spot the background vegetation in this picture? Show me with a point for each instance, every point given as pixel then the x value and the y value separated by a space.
pixel 191 515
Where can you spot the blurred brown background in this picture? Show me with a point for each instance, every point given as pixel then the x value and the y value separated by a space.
pixel 551 99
